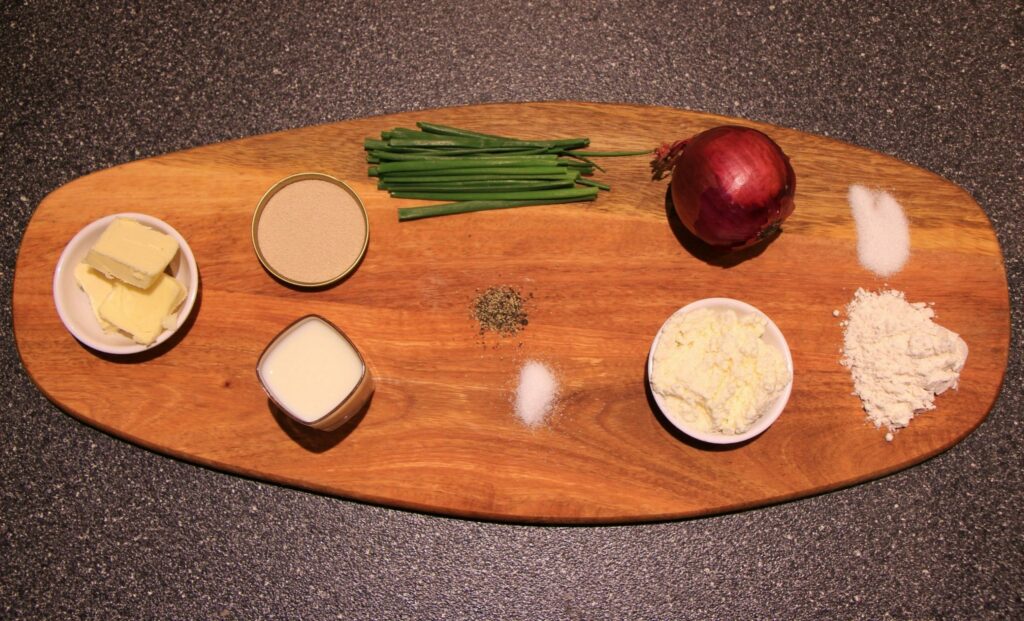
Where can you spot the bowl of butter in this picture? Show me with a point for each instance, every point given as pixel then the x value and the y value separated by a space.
pixel 720 371
pixel 125 283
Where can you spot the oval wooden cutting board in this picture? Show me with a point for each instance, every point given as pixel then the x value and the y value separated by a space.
pixel 440 434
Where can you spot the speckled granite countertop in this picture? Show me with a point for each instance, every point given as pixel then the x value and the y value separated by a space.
pixel 93 527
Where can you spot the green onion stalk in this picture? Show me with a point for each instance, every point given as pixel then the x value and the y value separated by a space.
pixel 474 171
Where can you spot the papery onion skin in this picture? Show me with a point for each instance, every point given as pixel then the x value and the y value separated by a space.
pixel 731 186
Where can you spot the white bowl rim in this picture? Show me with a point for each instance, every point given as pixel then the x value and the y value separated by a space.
pixel 64 270
pixel 769 417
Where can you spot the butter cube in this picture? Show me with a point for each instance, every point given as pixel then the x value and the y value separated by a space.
pixel 97 287
pixel 144 313
pixel 132 252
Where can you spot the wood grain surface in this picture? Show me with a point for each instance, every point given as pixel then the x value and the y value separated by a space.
pixel 440 434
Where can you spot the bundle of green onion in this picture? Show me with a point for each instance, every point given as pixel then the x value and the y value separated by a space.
pixel 477 172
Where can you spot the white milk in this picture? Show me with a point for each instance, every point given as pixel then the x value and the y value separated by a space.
pixel 310 370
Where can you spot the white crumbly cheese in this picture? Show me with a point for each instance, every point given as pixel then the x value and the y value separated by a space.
pixel 715 372
pixel 899 358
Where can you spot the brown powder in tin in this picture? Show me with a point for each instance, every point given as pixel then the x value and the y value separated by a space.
pixel 311 231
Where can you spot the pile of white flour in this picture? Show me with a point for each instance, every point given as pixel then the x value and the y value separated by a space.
pixel 899 358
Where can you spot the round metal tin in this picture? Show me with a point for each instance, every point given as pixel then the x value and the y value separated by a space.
pixel 274 189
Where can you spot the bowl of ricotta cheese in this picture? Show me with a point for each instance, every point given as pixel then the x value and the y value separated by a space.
pixel 720 370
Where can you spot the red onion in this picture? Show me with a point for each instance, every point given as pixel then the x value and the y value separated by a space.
pixel 731 186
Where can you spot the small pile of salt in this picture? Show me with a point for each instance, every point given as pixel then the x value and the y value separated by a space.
pixel 883 234
pixel 536 393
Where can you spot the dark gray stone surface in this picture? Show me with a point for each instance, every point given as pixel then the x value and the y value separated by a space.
pixel 93 527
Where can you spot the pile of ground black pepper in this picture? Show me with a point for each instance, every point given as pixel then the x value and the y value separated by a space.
pixel 500 309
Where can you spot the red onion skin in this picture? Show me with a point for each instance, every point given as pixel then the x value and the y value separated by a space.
pixel 732 186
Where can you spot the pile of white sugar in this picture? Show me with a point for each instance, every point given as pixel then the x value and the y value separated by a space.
pixel 536 393
pixel 899 358
pixel 883 234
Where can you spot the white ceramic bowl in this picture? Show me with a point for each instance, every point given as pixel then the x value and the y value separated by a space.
pixel 773 336
pixel 73 304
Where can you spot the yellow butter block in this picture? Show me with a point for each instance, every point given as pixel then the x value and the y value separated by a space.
pixel 132 252
pixel 144 313
pixel 97 287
